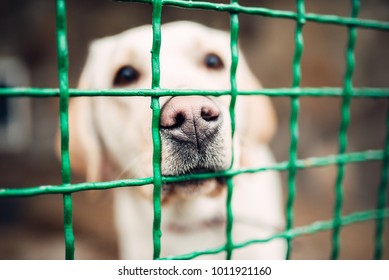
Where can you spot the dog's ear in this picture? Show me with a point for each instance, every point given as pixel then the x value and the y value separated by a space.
pixel 86 153
pixel 259 118
pixel 86 156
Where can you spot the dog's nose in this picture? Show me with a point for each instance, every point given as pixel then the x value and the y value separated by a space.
pixel 190 118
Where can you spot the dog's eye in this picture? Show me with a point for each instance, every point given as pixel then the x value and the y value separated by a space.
pixel 213 61
pixel 126 75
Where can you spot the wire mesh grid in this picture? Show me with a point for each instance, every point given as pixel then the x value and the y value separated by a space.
pixel 295 93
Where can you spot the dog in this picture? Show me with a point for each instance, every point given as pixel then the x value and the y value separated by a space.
pixel 110 138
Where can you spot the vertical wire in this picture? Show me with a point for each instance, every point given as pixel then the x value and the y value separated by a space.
pixel 294 132
pixel 234 36
pixel 345 114
pixel 155 106
pixel 382 197
pixel 68 227
pixel 63 66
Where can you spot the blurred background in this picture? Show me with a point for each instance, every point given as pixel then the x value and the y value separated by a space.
pixel 31 228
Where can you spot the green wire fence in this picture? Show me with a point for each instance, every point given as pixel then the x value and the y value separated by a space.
pixel 295 93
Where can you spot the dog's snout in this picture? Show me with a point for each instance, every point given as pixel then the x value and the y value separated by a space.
pixel 190 118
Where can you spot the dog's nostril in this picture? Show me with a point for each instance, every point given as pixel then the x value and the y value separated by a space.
pixel 179 120
pixel 172 119
pixel 209 114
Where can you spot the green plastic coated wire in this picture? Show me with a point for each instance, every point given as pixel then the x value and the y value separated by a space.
pixel 234 33
pixel 345 112
pixel 64 127
pixel 292 165
pixel 282 166
pixel 235 8
pixel 295 108
pixel 382 197
pixel 271 92
pixel 157 12
pixel 318 226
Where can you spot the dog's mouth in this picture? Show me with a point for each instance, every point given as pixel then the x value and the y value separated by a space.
pixel 194 187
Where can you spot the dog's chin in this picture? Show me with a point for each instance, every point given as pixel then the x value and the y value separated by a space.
pixel 192 189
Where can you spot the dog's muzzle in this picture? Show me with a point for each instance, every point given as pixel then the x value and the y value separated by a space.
pixel 192 138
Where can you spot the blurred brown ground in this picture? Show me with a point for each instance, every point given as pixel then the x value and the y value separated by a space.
pixel 31 228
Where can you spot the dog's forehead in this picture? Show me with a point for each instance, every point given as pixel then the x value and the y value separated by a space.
pixel 181 33
pixel 176 36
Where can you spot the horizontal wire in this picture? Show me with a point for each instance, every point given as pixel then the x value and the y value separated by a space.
pixel 282 166
pixel 236 8
pixel 272 92
pixel 315 227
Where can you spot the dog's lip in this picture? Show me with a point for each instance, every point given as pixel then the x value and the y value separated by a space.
pixel 196 170
pixel 187 183
pixel 193 182
pixel 191 185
